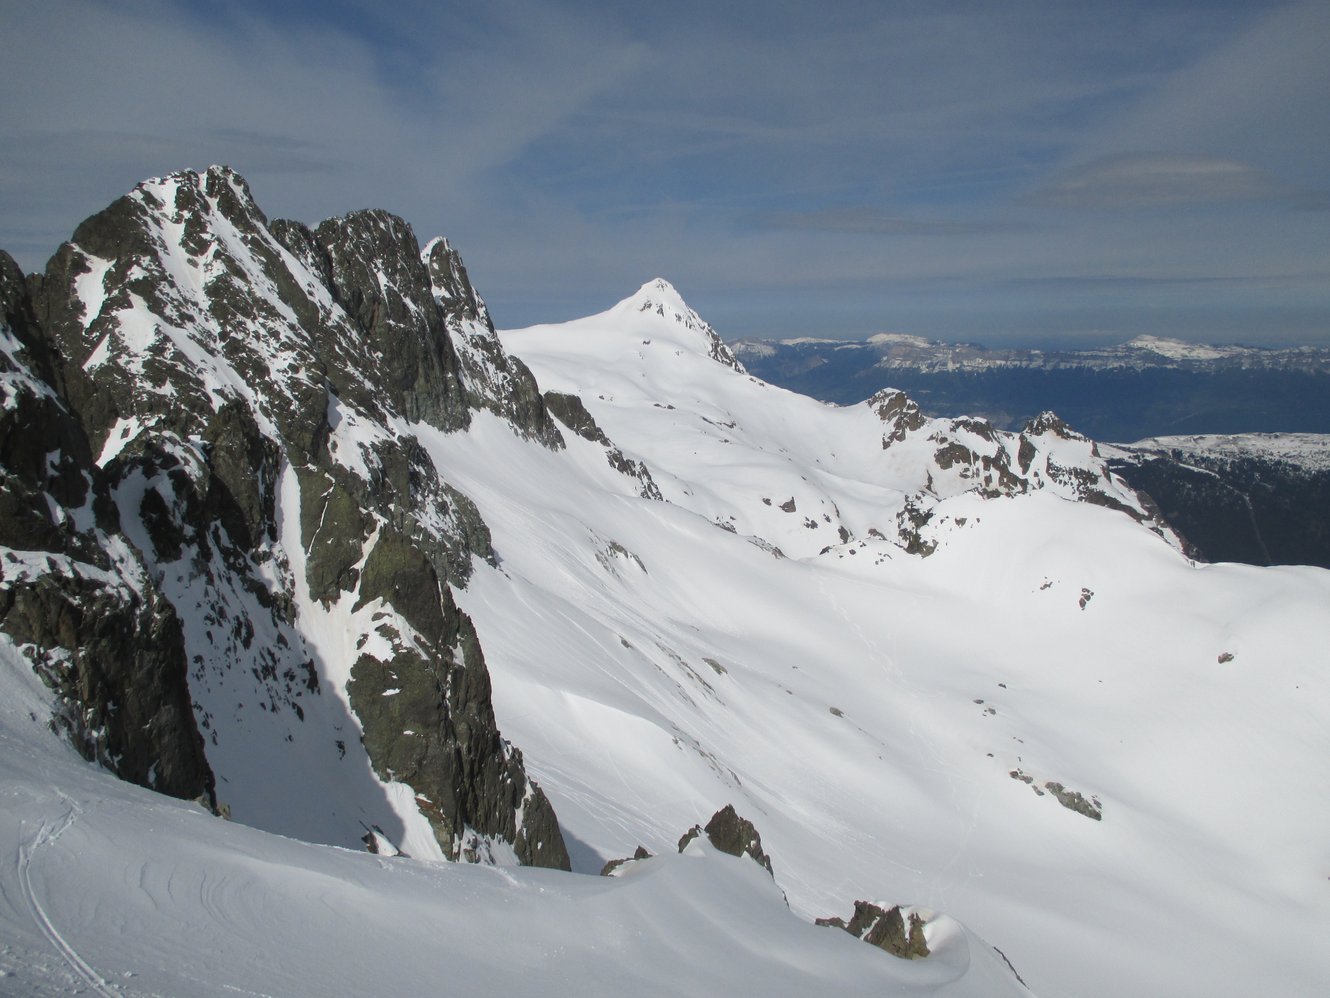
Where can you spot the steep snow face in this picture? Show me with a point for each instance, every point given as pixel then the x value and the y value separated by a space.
pixel 790 473
pixel 1053 727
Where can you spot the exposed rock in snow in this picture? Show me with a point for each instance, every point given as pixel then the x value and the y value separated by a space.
pixel 885 929
pixel 731 834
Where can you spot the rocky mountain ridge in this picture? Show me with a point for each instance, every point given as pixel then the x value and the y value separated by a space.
pixel 230 401
pixel 1257 498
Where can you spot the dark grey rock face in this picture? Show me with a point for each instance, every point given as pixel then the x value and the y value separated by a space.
pixel 494 380
pixel 379 280
pixel 428 721
pixel 731 834
pixel 117 664
pixel 884 928
pixel 572 412
pixel 216 406
pixel 92 625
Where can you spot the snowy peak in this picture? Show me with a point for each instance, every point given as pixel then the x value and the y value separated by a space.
pixel 660 296
pixel 895 339
pixel 660 304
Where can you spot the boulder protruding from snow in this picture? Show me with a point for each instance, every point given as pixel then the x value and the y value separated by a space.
pixel 639 854
pixel 885 928
pixel 731 834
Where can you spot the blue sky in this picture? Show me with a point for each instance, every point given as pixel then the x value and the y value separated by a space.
pixel 1024 172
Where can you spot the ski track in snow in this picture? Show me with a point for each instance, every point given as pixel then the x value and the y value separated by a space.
pixel 46 836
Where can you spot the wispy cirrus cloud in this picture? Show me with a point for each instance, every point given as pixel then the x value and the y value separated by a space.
pixel 1155 180
pixel 876 222
pixel 931 156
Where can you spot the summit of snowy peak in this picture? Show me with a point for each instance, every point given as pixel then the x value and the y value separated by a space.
pixel 660 303
pixel 660 299
pixel 658 291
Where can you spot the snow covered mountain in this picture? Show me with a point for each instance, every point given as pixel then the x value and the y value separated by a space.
pixel 291 529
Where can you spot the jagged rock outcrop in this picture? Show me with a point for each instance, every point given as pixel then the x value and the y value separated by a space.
pixel 884 928
pixel 240 400
pixel 428 721
pixel 966 454
pixel 379 280
pixel 493 379
pixel 572 412
pixel 73 597
pixel 731 834
pixel 899 414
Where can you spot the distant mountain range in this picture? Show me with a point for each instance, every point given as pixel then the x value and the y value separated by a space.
pixel 1148 387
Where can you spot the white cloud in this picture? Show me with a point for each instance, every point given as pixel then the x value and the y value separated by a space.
pixel 1153 180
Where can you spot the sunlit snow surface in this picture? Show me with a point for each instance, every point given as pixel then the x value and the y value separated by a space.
pixel 107 889
pixel 866 707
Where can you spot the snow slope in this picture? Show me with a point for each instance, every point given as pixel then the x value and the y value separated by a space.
pixel 113 890
pixel 891 723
